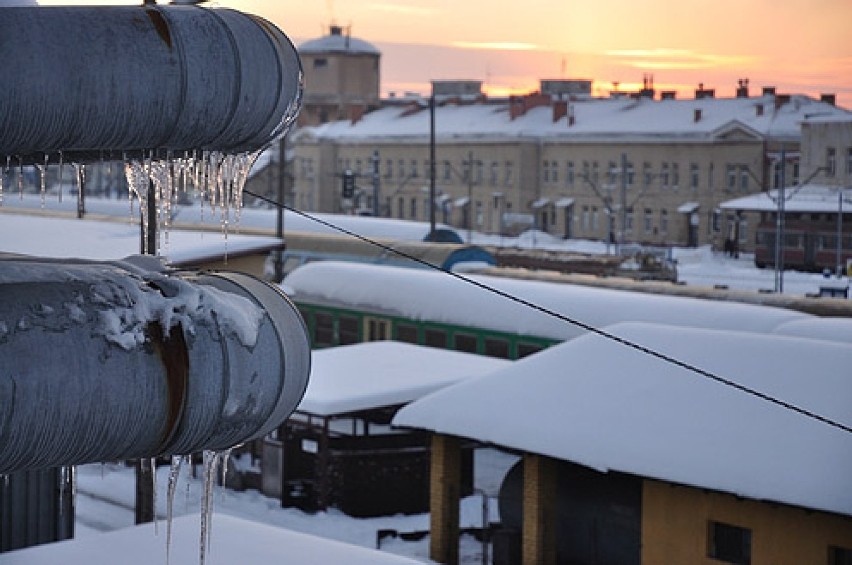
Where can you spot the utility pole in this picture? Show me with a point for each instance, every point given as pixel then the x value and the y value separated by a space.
pixel 623 212
pixel 779 228
pixel 432 165
pixel 469 196
pixel 375 161
pixel 279 224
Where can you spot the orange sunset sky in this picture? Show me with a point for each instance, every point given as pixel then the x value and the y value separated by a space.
pixel 798 46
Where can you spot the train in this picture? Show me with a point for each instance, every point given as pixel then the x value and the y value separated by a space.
pixel 345 303
pixel 808 245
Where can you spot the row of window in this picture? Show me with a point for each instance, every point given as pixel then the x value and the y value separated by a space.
pixel 328 329
pixel 468 171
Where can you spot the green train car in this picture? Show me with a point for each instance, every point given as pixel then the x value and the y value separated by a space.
pixel 345 303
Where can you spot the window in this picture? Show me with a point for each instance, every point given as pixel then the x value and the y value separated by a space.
pixel 647 175
pixel 413 214
pixel 323 329
pixel 694 179
pixel 830 162
pixel 546 171
pixel 586 173
pixel 630 174
pixel 839 555
pixel 434 337
pixel 664 175
pixel 664 222
pixel 448 171
pixel 776 174
pixel 648 220
pixel 509 176
pixel 675 175
pixel 744 178
pixel 628 219
pixel 400 207
pixel 492 174
pixel 407 333
pixel 849 161
pixel 414 168
pixel 320 62
pixel 376 329
pixel 710 170
pixel 594 218
pixel 348 330
pixel 729 543
pixel 584 219
pixel 731 183
pixel 525 349
pixel 401 169
pixel 569 174
pixel 595 176
pixel 464 342
pixel 611 173
pixel 389 168
pixel 496 347
pixel 554 171
pixel 743 231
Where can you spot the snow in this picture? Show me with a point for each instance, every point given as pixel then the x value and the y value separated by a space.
pixel 826 329
pixel 384 373
pixel 421 295
pixel 235 540
pixel 594 119
pixel 600 404
pixel 103 240
pixel 812 198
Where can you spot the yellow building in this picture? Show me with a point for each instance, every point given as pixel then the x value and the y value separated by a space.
pixel 628 458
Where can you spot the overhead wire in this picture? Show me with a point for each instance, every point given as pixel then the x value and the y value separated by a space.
pixel 578 323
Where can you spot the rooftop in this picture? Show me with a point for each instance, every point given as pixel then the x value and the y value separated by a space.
pixel 337 42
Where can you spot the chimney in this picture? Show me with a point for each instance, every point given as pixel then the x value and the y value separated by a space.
pixel 702 92
pixel 828 99
pixel 781 99
pixel 516 107
pixel 571 119
pixel 742 88
pixel 769 91
pixel 697 115
pixel 356 112
pixel 668 95
pixel 560 108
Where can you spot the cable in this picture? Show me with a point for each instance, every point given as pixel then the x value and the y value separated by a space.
pixel 641 348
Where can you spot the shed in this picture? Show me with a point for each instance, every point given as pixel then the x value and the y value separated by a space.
pixel 338 448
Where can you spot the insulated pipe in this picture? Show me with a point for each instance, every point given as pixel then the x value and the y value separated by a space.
pixel 113 361
pixel 86 81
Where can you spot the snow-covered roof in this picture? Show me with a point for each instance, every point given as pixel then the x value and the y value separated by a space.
pixel 611 408
pixel 807 198
pixel 594 119
pixel 337 42
pixel 377 374
pixel 44 236
pixel 233 540
pixel 439 297
pixel 826 329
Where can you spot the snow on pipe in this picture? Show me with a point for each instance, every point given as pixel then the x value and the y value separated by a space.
pixel 113 361
pixel 90 81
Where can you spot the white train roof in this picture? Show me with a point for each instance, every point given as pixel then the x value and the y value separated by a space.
pixel 600 404
pixel 444 298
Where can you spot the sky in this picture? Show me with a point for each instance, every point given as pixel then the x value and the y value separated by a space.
pixel 798 46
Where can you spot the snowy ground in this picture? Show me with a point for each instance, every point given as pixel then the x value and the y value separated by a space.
pixel 105 497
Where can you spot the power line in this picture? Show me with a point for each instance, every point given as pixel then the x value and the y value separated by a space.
pixel 626 342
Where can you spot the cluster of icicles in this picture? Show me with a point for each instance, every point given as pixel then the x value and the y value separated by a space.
pixel 214 178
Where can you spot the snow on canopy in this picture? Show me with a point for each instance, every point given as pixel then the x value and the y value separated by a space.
pixel 611 408
pixel 813 198
pixel 103 240
pixel 376 374
pixel 234 540
pixel 439 297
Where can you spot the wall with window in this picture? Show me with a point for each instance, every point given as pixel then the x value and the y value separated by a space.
pixel 828 144
pixel 688 525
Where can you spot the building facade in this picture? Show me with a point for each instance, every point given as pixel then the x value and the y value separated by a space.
pixel 624 169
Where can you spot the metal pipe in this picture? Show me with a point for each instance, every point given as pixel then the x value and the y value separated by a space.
pixel 86 81
pixel 112 361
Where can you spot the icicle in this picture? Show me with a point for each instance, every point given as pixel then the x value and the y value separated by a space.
pixel 21 177
pixel 174 475
pixel 210 461
pixel 42 168
pixel 2 179
pixel 61 167
pixel 153 463
pixel 63 479
pixel 73 471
